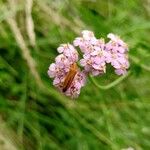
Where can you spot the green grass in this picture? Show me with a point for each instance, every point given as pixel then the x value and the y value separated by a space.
pixel 35 116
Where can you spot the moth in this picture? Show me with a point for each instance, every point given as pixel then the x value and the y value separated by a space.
pixel 69 77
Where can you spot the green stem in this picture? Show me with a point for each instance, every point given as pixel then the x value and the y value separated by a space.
pixel 112 84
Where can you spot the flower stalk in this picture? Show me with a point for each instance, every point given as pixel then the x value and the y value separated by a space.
pixel 110 85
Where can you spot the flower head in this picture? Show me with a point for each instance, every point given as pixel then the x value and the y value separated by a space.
pixel 86 41
pixel 61 69
pixel 93 53
pixel 116 44
pixel 68 51
pixel 117 54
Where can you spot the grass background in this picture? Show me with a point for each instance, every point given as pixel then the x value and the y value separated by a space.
pixel 34 115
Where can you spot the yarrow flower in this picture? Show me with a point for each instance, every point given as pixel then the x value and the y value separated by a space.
pixel 62 73
pixel 117 54
pixel 93 53
pixel 69 79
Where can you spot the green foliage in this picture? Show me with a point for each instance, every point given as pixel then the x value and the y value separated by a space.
pixel 40 116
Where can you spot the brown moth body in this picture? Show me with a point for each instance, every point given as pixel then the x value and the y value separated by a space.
pixel 69 77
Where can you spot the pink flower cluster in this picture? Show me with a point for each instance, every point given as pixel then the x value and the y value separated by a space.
pixel 117 54
pixel 96 55
pixel 58 70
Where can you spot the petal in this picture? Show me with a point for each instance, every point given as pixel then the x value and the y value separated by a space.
pixel 98 60
pixel 87 34
pixel 121 49
pixel 59 58
pixel 94 53
pixel 95 72
pixel 120 71
pixel 51 74
pixel 112 36
pixel 83 62
pixel 87 68
pixel 56 81
pixel 93 41
pixel 78 85
pixel 115 64
pixel 52 67
pixel 60 49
